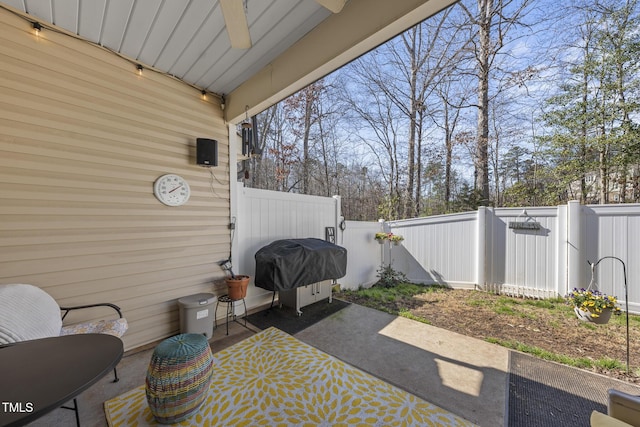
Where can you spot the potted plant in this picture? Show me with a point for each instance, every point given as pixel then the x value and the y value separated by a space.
pixel 395 239
pixel 592 305
pixel 381 237
pixel 237 284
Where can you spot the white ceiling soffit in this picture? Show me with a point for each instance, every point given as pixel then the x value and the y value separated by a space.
pixel 293 42
pixel 184 38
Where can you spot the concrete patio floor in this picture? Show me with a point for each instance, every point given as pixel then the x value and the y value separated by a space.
pixel 463 375
pixel 132 370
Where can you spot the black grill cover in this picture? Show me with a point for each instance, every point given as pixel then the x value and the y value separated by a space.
pixel 287 264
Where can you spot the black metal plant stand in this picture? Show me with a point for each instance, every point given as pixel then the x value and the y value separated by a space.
pixel 626 294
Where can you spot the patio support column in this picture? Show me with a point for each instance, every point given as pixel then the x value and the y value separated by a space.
pixel 235 188
pixel 233 191
pixel 576 260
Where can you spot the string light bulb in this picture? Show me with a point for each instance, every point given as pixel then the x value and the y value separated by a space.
pixel 204 94
pixel 37 28
pixel 139 68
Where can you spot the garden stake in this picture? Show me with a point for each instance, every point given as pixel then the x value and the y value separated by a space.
pixel 626 295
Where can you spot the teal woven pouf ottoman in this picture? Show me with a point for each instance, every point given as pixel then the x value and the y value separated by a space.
pixel 178 377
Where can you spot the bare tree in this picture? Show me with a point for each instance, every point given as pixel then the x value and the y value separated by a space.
pixel 492 22
pixel 280 154
pixel 376 122
pixel 259 176
pixel 405 72
pixel 301 110
pixel 451 96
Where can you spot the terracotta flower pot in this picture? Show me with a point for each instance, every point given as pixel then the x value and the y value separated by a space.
pixel 237 286
pixel 585 316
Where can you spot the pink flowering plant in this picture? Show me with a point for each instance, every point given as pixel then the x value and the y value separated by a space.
pixel 592 301
pixel 396 238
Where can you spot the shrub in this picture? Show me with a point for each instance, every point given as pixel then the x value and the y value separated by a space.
pixel 388 277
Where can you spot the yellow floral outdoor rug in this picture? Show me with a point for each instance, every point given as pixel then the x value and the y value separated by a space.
pixel 273 379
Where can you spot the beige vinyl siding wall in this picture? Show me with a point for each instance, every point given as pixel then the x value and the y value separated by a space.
pixel 82 139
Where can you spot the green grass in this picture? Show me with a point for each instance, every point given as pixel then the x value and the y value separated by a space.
pixel 578 362
pixel 503 309
pixel 409 315
pixel 395 293
pixel 519 307
pixel 477 302
pixel 554 324
pixel 401 295
pixel 550 304
pixel 634 321
pixel 380 297
pixel 377 297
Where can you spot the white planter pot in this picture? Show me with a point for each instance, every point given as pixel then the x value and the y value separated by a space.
pixel 586 316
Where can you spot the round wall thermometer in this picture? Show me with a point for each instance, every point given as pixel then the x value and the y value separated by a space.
pixel 172 190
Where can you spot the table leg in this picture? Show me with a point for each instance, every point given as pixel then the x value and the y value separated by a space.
pixel 74 409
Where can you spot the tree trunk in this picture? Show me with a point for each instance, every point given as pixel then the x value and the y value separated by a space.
pixel 409 210
pixel 604 178
pixel 584 135
pixel 308 105
pixel 482 146
pixel 448 145
pixel 418 191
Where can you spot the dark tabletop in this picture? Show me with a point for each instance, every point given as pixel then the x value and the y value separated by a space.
pixel 40 375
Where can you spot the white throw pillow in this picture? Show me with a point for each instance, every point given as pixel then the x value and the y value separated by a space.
pixel 26 313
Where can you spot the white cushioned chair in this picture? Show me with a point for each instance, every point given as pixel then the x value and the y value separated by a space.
pixel 624 406
pixel 27 312
pixel 623 410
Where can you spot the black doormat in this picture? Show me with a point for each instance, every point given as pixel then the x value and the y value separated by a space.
pixel 543 393
pixel 286 319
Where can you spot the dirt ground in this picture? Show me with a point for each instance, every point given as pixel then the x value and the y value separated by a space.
pixel 486 315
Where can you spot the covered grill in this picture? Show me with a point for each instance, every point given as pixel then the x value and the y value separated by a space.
pixel 290 263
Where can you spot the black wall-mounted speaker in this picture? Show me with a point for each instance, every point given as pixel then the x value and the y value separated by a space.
pixel 207 152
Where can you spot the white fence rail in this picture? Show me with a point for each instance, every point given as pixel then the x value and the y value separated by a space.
pixel 546 256
pixel 264 216
pixel 537 252
pixel 521 261
pixel 363 254
pixel 437 249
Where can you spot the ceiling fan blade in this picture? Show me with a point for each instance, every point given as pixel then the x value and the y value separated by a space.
pixel 334 6
pixel 235 20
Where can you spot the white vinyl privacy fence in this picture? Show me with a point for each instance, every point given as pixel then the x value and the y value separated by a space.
pixel 534 252
pixel 264 216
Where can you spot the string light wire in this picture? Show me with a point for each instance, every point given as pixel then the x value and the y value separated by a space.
pixel 38 26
